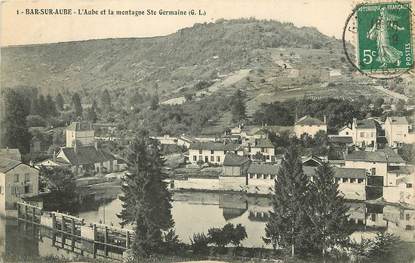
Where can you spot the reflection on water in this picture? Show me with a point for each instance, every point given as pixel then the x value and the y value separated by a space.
pixel 197 212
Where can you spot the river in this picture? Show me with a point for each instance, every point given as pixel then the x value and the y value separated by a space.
pixel 195 212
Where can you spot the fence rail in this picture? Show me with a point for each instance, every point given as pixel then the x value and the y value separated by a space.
pixel 76 229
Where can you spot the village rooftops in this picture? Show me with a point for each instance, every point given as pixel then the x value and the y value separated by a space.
pixel 86 155
pixel 400 169
pixel 309 121
pixel 386 155
pixel 397 120
pixel 214 146
pixel 8 164
pixel 80 126
pixel 232 159
pixel 256 168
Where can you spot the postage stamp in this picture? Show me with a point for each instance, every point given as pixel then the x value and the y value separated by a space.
pixel 384 37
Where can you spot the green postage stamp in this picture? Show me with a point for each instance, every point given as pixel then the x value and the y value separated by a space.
pixel 384 37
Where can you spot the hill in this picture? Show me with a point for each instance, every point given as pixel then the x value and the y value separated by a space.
pixel 202 52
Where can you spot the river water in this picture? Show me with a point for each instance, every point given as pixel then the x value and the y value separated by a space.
pixel 195 212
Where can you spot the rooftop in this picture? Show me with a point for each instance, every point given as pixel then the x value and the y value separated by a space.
pixel 366 124
pixel 263 143
pixel 386 155
pixel 256 168
pixel 8 164
pixel 214 146
pixel 80 126
pixel 397 120
pixel 340 139
pixel 308 120
pixel 10 154
pixel 86 155
pixel 350 173
pixel 232 159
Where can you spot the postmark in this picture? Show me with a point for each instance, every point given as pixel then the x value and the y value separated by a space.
pixel 383 39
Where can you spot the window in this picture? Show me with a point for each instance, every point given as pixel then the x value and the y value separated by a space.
pixel 27 178
pixel 347 133
pixel 212 151
pixel 373 171
pixel 360 181
pixel 16 178
pixel 194 158
pixel 258 176
pixel 272 177
pixel 408 217
pixel 212 158
pixel 200 151
pixel 218 159
pixel 267 157
pixel 408 185
pixel 362 134
pixel 353 180
pixel 373 217
pixel 265 176
pixel 344 180
pixel 251 176
pixel 200 158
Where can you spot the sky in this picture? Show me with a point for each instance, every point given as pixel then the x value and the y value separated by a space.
pixel 328 16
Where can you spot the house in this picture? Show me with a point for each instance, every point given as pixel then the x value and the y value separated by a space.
pixel 80 132
pixel 87 159
pixel 13 154
pixel 376 163
pixel 260 147
pixel 351 181
pixel 261 176
pixel 234 172
pixel 212 152
pixel 398 131
pixel 399 185
pixel 17 180
pixel 363 132
pixel 310 126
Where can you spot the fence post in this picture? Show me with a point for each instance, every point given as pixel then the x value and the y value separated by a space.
pixel 106 241
pixel 94 246
pixel 127 240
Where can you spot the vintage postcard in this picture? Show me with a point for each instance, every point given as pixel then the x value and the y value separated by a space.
pixel 207 131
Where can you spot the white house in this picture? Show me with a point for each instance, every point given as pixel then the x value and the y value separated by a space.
pixel 310 126
pixel 364 133
pixel 398 131
pixel 399 185
pixel 212 152
pixel 80 132
pixel 17 180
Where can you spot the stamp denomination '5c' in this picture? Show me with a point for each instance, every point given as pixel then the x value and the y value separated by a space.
pixel 384 37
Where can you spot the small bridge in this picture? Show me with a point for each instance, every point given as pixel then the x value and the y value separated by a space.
pixel 74 234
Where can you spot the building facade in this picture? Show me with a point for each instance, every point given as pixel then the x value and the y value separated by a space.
pixel 81 133
pixel 309 125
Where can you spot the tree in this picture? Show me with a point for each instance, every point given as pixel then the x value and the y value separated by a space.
pixel 59 101
pixel 34 106
pixel 407 152
pixel 238 108
pixel 76 102
pixel 91 115
pixel 106 101
pixel 50 106
pixel 14 126
pixel 154 103
pixel 146 200
pixel 43 108
pixel 60 181
pixel 327 210
pixel 288 224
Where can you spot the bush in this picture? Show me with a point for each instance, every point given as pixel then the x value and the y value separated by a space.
pixel 199 243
